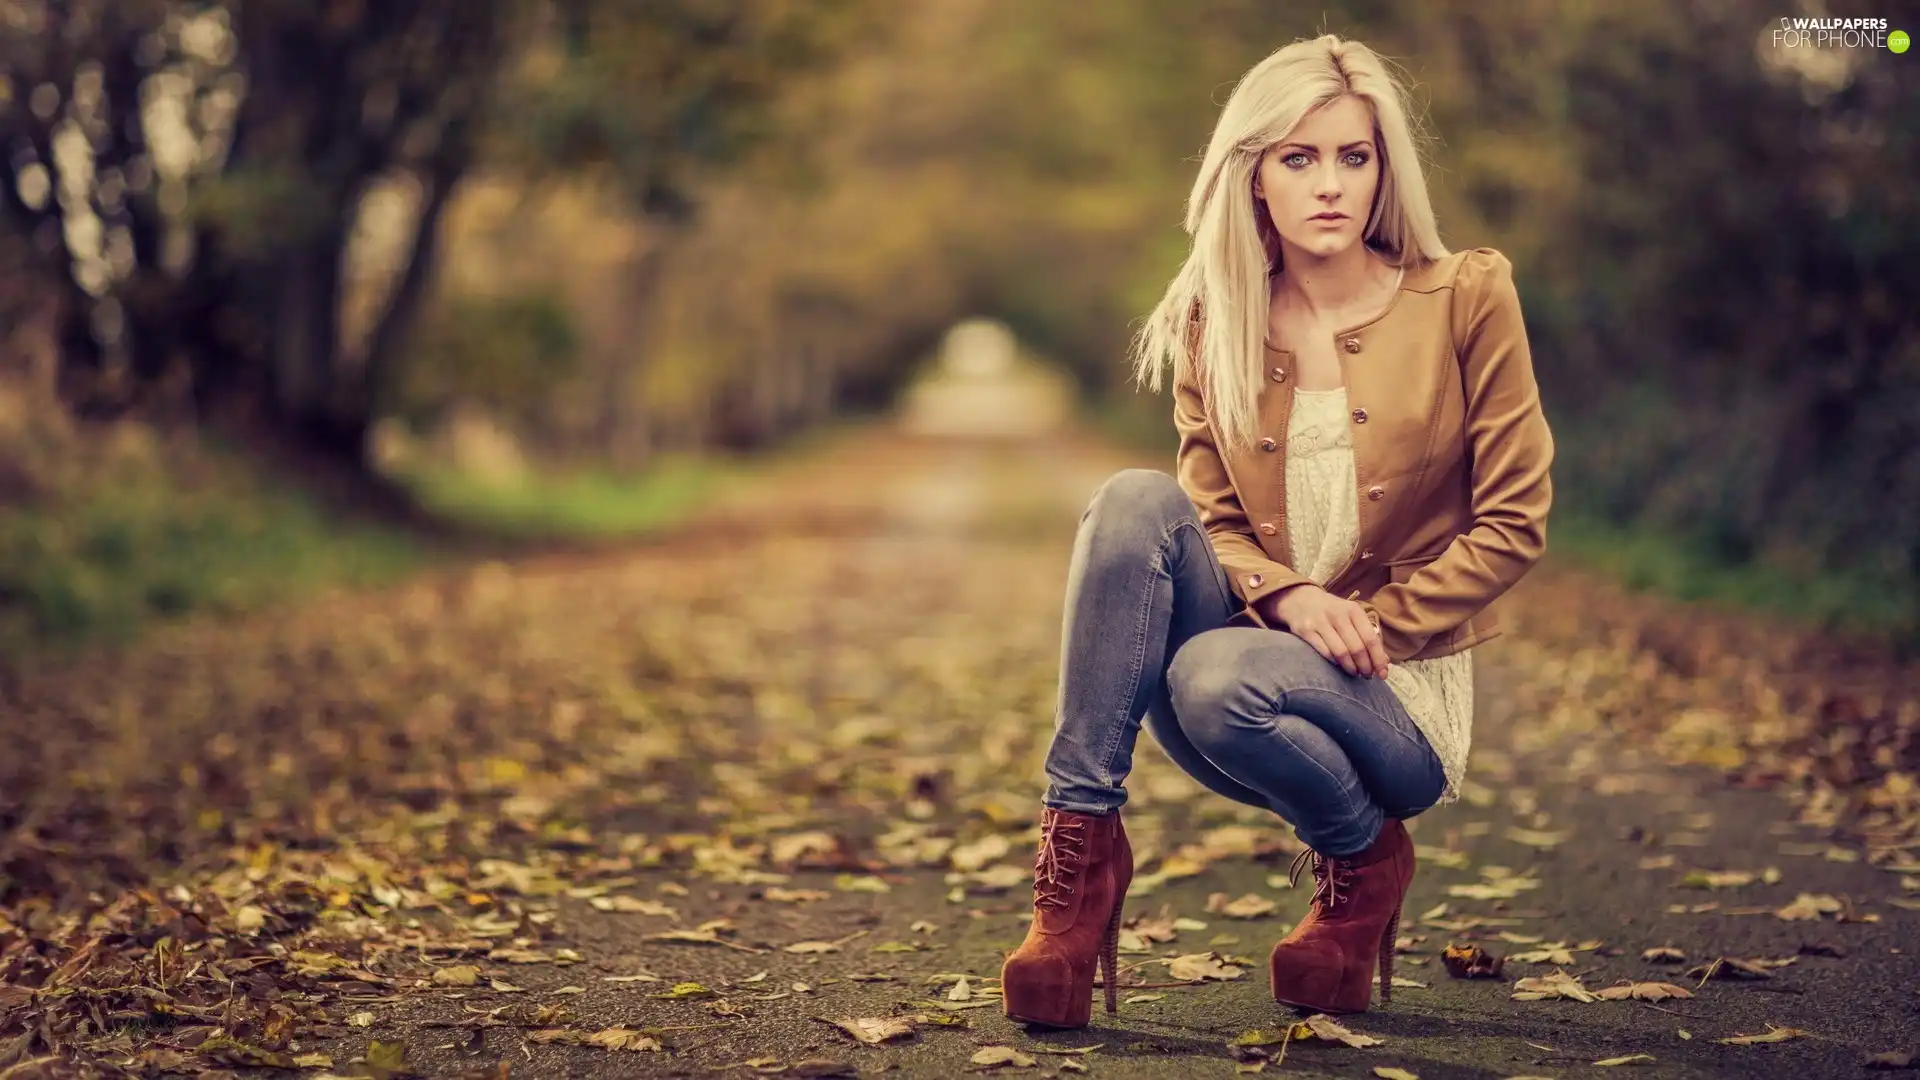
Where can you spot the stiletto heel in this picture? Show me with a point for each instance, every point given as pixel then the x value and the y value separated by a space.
pixel 1110 957
pixel 1387 939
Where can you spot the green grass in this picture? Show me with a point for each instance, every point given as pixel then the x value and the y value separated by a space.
pixel 1685 568
pixel 102 558
pixel 196 528
pixel 590 503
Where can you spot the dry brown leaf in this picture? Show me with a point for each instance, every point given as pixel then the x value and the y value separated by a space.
pixel 632 905
pixel 457 975
pixel 995 1056
pixel 619 1038
pixel 1629 1059
pixel 1643 991
pixel 875 1029
pixel 1199 967
pixel 1390 1072
pixel 1471 962
pixel 1773 1034
pixel 1557 985
pixel 1322 1026
pixel 1664 954
pixel 1810 906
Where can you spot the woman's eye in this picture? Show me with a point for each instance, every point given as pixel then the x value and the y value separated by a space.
pixel 1357 158
pixel 1294 161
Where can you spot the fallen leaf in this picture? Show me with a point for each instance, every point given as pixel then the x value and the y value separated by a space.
pixel 1250 906
pixel 1389 1072
pixel 864 883
pixel 683 991
pixel 1322 1026
pixel 1810 906
pixel 1727 967
pixel 1557 985
pixel 1664 954
pixel 1716 879
pixel 1198 967
pixel 1643 991
pixel 875 1030
pixel 1141 999
pixel 1630 1059
pixel 1773 1035
pixel 995 1056
pixel 1471 962
pixel 1892 1059
pixel 1554 953
pixel 1538 839
pixel 619 1038
pixel 777 895
pixel 631 905
pixel 457 975
pixel 813 947
pixel 502 986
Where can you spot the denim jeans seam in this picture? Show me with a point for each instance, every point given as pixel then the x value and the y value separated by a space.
pixel 1136 669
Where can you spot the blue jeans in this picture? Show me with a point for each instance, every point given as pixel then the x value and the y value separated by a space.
pixel 1256 715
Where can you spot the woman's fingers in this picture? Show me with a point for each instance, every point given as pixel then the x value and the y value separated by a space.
pixel 1376 646
pixel 1359 660
pixel 1315 638
pixel 1333 646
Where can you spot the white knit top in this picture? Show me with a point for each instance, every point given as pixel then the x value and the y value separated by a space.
pixel 1323 523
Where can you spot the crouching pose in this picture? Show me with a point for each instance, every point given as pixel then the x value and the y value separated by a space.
pixel 1363 469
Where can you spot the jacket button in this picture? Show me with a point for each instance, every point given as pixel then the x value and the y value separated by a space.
pixel 1376 491
pixel 1367 554
pixel 1279 374
pixel 1269 444
pixel 1268 528
pixel 1254 581
pixel 1359 416
pixel 1352 344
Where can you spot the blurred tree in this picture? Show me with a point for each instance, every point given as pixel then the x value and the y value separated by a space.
pixel 190 174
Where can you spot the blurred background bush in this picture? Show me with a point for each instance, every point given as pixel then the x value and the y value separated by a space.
pixel 550 259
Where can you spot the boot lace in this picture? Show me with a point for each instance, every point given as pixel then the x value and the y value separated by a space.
pixel 1062 851
pixel 1331 877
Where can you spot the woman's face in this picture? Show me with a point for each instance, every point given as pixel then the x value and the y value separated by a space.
pixel 1318 182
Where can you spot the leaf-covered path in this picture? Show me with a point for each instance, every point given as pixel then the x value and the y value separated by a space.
pixel 715 805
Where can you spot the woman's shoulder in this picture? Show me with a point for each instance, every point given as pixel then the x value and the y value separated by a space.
pixel 1469 271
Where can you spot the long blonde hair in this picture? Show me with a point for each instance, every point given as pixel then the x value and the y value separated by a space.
pixel 1224 281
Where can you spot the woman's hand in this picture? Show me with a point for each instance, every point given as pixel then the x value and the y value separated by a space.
pixel 1337 629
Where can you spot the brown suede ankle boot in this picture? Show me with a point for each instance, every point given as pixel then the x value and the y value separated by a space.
pixel 1080 879
pixel 1328 962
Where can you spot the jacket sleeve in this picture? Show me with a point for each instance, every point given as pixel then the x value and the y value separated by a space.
pixel 1510 448
pixel 1203 475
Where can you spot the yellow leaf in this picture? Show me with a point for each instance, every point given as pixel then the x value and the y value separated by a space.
pixel 457 975
pixel 1772 1035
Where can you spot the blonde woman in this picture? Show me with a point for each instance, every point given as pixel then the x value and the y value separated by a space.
pixel 1363 469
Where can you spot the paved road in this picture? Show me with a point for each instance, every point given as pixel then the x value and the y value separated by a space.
pixel 894 607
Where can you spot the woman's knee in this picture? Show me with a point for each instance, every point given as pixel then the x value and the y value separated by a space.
pixel 1207 685
pixel 1139 497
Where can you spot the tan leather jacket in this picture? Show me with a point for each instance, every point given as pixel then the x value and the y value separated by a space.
pixel 1451 456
